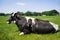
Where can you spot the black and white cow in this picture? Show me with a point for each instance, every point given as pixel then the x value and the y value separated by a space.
pixel 29 24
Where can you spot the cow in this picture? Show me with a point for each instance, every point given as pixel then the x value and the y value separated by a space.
pixel 27 25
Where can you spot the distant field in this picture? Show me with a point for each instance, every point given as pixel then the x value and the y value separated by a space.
pixel 10 31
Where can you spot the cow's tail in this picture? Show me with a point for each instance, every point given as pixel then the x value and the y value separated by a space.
pixel 55 26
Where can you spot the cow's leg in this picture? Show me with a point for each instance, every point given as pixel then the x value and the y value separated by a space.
pixel 22 33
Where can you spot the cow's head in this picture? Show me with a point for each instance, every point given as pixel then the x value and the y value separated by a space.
pixel 13 18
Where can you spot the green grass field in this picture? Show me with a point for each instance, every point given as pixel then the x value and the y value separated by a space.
pixel 10 31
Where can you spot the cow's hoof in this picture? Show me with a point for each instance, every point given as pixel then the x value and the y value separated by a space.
pixel 22 33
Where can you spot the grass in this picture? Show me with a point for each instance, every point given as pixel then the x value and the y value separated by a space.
pixel 10 31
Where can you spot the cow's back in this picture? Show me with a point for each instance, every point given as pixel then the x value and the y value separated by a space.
pixel 42 27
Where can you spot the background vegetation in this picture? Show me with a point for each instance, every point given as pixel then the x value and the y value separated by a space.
pixel 29 13
pixel 10 31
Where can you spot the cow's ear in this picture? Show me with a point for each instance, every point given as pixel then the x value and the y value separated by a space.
pixel 12 14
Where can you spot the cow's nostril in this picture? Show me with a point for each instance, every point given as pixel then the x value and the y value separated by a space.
pixel 14 21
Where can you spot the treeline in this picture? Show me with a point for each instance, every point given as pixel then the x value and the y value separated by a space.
pixel 29 13
pixel 3 14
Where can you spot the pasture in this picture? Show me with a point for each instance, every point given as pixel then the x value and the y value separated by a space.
pixel 10 31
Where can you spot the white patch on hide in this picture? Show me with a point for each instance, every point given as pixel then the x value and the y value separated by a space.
pixel 33 19
pixel 54 25
pixel 22 33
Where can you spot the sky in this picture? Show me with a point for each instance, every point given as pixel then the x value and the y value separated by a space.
pixel 8 6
